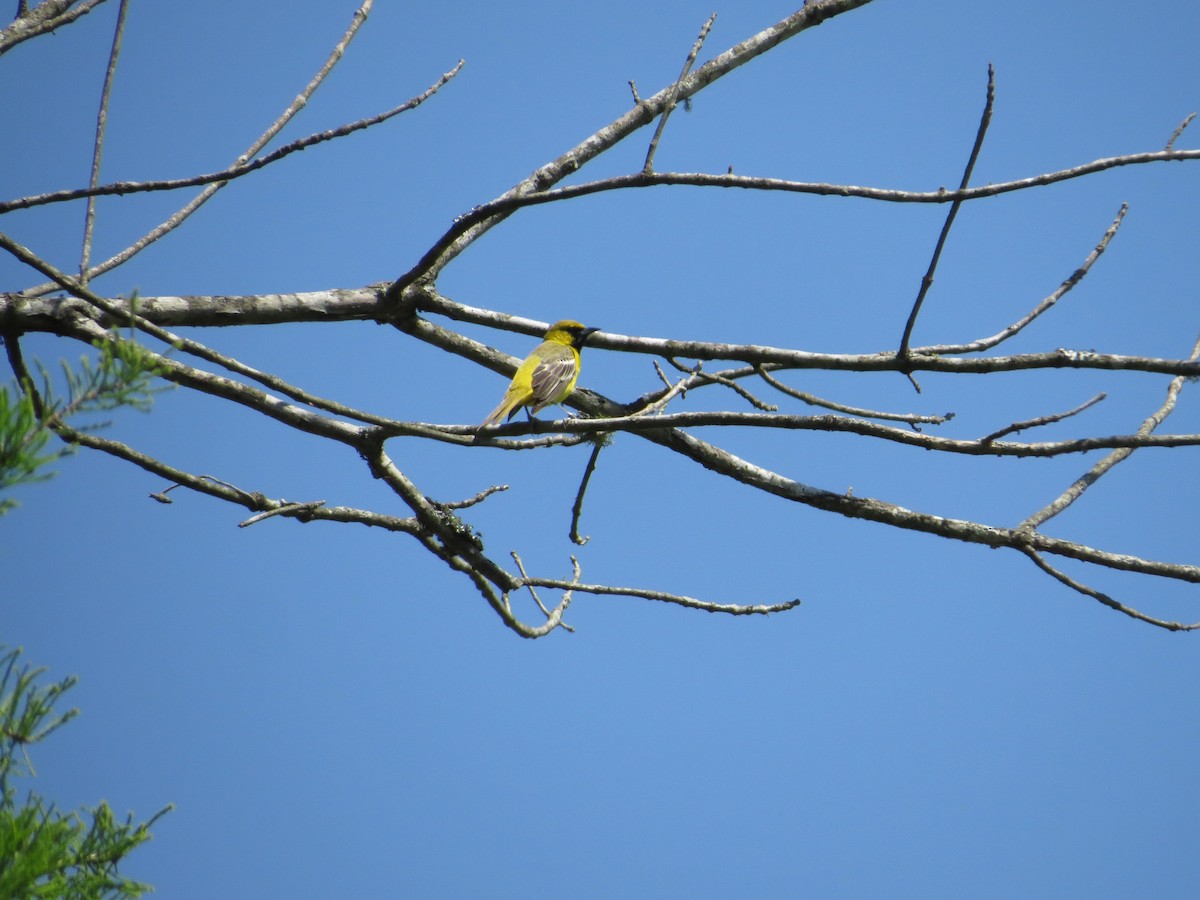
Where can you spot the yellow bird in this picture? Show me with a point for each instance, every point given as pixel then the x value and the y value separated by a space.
pixel 548 374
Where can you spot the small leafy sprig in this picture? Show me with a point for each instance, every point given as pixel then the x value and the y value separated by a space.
pixel 120 375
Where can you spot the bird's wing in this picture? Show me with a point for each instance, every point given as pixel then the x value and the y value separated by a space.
pixel 554 375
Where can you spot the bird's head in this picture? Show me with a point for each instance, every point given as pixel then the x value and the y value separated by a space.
pixel 569 332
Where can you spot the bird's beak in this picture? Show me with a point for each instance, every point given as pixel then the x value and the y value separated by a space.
pixel 583 335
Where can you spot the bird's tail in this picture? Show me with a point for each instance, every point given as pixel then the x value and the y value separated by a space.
pixel 507 407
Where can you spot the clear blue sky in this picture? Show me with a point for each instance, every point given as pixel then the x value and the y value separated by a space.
pixel 334 714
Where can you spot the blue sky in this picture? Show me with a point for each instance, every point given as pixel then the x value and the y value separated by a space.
pixel 335 714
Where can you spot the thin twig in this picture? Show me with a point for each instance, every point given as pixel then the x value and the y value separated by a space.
pixel 673 99
pixel 1081 484
pixel 555 616
pixel 700 377
pixel 739 389
pixel 235 171
pixel 927 280
pixel 1071 281
pixel 209 485
pixel 577 506
pixel 673 390
pixel 478 498
pixel 913 419
pixel 89 219
pixel 161 496
pixel 532 592
pixel 1108 601
pixel 1187 120
pixel 295 510
pixel 25 382
pixel 662 376
pixel 1041 420
pixel 733 609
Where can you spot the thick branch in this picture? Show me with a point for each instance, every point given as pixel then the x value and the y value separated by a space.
pixel 48 314
pixel 747 473
pixel 44 17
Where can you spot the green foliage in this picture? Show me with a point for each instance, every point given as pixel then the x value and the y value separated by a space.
pixel 23 439
pixel 121 375
pixel 43 853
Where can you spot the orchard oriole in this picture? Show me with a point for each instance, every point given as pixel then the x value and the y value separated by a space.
pixel 548 374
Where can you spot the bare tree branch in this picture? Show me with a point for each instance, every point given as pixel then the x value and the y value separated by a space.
pixel 440 255
pixel 1108 601
pixel 1076 490
pixel 235 171
pixel 911 418
pixel 986 446
pixel 405 304
pixel 927 280
pixel 1041 420
pixel 89 219
pixel 700 377
pixel 732 609
pixel 920 358
pixel 566 599
pixel 1187 120
pixel 673 98
pixel 200 199
pixel 43 18
pixel 504 206
pixel 1073 279
pixel 577 506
